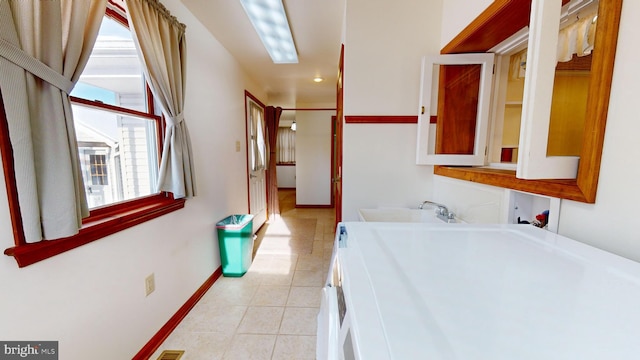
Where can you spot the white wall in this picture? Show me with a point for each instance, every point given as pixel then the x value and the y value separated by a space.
pixel 458 14
pixel 379 169
pixel 610 223
pixel 92 299
pixel 471 202
pixel 384 44
pixel 286 176
pixel 313 156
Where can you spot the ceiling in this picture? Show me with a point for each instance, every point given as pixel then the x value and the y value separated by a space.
pixel 317 29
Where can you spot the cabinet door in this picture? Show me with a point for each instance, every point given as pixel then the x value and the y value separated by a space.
pixel 455 91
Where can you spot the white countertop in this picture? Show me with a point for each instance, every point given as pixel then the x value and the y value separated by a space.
pixel 460 291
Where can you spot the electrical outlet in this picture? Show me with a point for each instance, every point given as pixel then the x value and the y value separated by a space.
pixel 149 284
pixel 237 146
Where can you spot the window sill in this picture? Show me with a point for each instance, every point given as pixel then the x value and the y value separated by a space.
pixel 563 189
pixel 125 216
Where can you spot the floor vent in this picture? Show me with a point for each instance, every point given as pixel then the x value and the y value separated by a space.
pixel 171 355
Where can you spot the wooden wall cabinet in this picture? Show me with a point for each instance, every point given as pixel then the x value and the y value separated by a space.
pixel 501 20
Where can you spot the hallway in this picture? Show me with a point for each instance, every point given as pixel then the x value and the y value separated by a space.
pixel 270 312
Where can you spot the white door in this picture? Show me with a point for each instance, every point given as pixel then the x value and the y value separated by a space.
pixel 257 159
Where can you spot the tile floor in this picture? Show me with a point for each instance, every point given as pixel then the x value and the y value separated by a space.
pixel 270 312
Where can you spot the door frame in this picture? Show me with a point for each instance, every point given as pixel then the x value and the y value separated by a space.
pixel 337 170
pixel 247 154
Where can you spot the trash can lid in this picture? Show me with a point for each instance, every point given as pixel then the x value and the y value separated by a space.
pixel 234 221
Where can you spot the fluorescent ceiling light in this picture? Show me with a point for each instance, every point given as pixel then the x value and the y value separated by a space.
pixel 318 79
pixel 270 21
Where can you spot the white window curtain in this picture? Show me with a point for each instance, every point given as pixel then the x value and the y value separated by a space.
pixel 161 43
pixel 44 46
pixel 286 145
pixel 258 145
pixel 577 38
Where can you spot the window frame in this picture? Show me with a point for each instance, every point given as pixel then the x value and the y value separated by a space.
pixel 499 21
pixel 102 221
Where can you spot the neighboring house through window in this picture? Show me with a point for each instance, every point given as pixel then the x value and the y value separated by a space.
pixel 110 125
pixel 98 169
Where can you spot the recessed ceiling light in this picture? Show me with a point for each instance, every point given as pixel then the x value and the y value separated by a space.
pixel 318 79
pixel 271 24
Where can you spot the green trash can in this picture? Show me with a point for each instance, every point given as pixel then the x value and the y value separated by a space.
pixel 235 238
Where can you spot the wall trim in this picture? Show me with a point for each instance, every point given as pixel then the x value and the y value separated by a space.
pixel 381 119
pixel 309 109
pixel 154 343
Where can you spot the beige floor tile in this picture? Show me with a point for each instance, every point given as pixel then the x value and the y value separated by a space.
pixel 261 320
pixel 290 347
pixel 276 269
pixel 213 318
pixel 197 346
pixel 329 238
pixel 251 347
pixel 327 255
pixel 317 248
pixel 304 296
pixel 309 262
pixel 275 295
pixel 230 293
pixel 299 321
pixel 328 245
pixel 284 263
pixel 308 278
pixel 249 278
pixel 277 279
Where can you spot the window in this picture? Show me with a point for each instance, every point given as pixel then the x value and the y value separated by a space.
pixel 491 28
pixel 98 167
pixel 113 121
pixel 257 153
pixel 119 138
pixel 286 146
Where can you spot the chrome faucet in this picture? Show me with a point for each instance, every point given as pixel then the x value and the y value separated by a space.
pixel 442 212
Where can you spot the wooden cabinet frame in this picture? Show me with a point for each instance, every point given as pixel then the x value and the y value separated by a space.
pixel 499 21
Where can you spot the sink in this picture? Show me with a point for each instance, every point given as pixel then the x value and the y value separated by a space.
pixel 399 215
